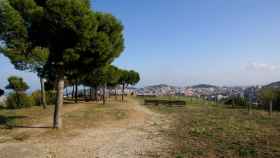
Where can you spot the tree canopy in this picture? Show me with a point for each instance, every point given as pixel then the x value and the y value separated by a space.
pixel 17 84
pixel 268 94
pixel 130 77
pixel 62 38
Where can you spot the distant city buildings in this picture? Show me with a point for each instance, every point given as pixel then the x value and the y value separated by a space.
pixel 203 91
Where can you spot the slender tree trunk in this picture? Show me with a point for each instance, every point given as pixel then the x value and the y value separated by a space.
pixel 85 93
pixel 76 91
pixel 104 94
pixel 270 107
pixel 116 95
pixel 123 92
pixel 90 93
pixel 73 92
pixel 57 121
pixel 43 93
pixel 95 93
pixel 17 98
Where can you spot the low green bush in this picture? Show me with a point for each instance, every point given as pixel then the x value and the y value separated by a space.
pixel 19 100
pixel 50 97
pixel 238 101
pixel 36 97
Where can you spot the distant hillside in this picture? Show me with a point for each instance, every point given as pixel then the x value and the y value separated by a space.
pixel 274 85
pixel 204 86
pixel 159 86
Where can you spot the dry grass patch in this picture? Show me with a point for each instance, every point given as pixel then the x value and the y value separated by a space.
pixel 217 131
pixel 21 124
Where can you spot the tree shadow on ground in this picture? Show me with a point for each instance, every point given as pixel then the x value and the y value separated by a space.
pixel 31 126
pixel 9 122
pixel 5 120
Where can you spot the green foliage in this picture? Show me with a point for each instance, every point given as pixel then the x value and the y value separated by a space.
pixel 105 75
pixel 268 94
pixel 113 76
pixel 55 37
pixel 133 77
pixel 237 101
pixel 68 29
pixel 129 77
pixel 50 97
pixel 17 84
pixel 20 100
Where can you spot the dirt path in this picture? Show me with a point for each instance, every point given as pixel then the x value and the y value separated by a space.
pixel 138 136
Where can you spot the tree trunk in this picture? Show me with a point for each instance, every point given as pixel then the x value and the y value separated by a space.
pixel 95 93
pixel 123 92
pixel 116 97
pixel 76 91
pixel 85 94
pixel 90 93
pixel 104 94
pixel 270 107
pixel 73 92
pixel 17 98
pixel 57 121
pixel 43 93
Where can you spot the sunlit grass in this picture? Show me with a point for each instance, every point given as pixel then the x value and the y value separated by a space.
pixel 204 129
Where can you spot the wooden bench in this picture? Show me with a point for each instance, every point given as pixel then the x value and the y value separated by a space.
pixel 164 102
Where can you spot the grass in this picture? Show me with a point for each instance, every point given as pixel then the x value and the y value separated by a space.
pixel 87 115
pixel 91 115
pixel 204 129
pixel 22 117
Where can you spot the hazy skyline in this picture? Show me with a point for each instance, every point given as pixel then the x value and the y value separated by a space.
pixel 177 42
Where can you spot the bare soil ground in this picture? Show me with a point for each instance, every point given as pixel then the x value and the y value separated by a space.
pixel 116 130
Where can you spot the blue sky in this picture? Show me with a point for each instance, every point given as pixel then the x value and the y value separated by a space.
pixel 186 42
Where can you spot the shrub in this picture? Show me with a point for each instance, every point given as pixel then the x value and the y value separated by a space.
pixel 36 95
pixel 238 101
pixel 50 97
pixel 20 100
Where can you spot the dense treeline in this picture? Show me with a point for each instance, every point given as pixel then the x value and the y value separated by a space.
pixel 66 43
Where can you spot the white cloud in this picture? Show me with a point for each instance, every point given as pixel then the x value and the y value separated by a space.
pixel 262 67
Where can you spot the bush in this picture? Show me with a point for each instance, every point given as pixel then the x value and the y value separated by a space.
pixel 20 100
pixel 238 101
pixel 50 97
pixel 36 95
